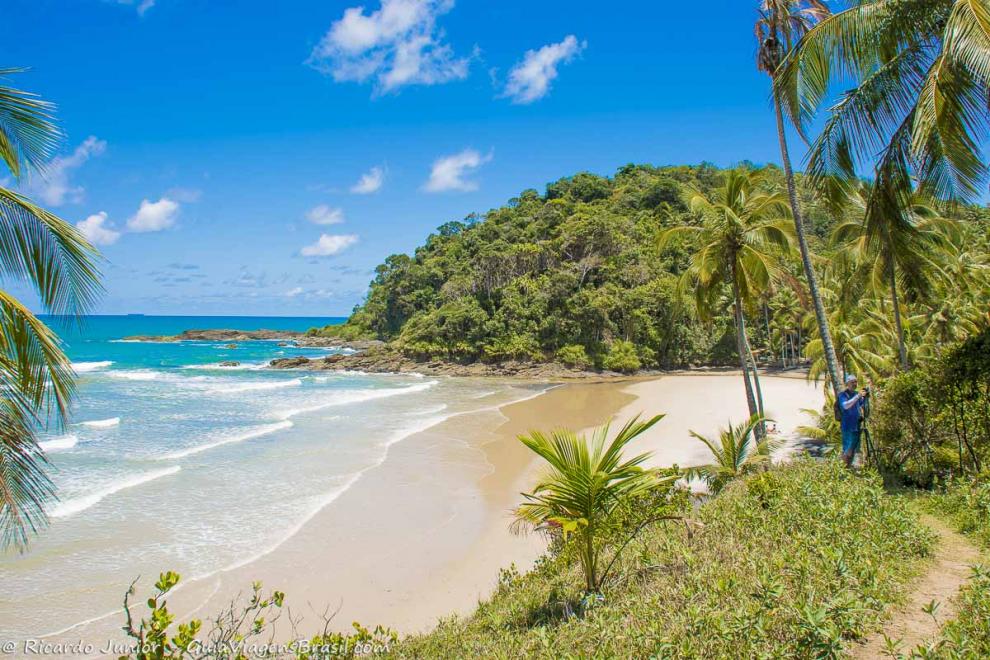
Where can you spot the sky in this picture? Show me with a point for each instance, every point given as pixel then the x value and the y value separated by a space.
pixel 258 158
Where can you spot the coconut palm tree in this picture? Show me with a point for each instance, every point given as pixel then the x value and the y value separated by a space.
pixel 743 232
pixel 894 252
pixel 862 343
pixel 36 379
pixel 781 24
pixel 586 482
pixel 736 453
pixel 921 77
pixel 921 74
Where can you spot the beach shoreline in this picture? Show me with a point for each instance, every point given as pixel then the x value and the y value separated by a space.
pixel 422 535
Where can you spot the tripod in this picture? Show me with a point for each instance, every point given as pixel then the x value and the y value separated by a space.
pixel 871 455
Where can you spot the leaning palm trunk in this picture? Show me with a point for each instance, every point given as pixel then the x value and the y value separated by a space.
pixel 761 429
pixel 741 346
pixel 831 362
pixel 898 325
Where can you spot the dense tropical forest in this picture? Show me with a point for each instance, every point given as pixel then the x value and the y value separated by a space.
pixel 588 274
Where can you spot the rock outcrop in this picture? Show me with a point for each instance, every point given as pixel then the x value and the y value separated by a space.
pixel 384 359
pixel 286 337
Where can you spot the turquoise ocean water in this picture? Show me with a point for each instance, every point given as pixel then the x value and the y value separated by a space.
pixel 173 462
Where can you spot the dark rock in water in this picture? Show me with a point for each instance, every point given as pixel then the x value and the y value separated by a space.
pixel 289 363
pixel 231 346
pixel 284 337
pixel 230 363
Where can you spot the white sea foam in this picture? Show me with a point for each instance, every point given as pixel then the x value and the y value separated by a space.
pixel 86 367
pixel 77 504
pixel 320 502
pixel 59 444
pixel 432 410
pixel 241 437
pixel 254 387
pixel 244 366
pixel 137 374
pixel 101 423
pixel 346 397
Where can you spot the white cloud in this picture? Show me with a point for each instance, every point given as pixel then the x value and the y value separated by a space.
pixel 292 293
pixel 142 5
pixel 398 44
pixel 154 216
pixel 449 172
pixel 55 187
pixel 325 215
pixel 530 79
pixel 370 182
pixel 329 245
pixel 97 231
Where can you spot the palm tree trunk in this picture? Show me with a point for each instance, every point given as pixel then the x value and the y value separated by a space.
pixel 809 271
pixel 741 345
pixel 761 429
pixel 898 327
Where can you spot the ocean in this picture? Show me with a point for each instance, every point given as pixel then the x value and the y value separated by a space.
pixel 171 462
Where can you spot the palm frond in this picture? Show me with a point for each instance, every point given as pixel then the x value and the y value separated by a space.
pixel 28 134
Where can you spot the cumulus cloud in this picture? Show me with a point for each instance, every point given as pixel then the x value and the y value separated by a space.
pixel 370 182
pixel 96 229
pixel 292 293
pixel 530 79
pixel 325 215
pixel 55 187
pixel 329 244
pixel 396 45
pixel 154 216
pixel 450 172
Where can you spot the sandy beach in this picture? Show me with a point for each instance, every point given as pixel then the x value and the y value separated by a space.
pixel 423 535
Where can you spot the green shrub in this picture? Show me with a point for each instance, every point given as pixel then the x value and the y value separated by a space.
pixel 574 355
pixel 622 357
pixel 243 630
pixel 794 562
pixel 966 502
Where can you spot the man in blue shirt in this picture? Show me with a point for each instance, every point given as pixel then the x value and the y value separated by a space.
pixel 851 405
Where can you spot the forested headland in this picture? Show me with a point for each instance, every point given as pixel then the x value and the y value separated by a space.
pixel 579 275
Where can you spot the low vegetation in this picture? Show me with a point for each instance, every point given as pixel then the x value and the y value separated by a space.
pixel 793 562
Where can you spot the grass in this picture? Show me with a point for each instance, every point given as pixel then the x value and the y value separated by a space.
pixel 794 562
pixel 966 504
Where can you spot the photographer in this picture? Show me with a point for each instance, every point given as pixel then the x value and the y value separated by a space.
pixel 850 408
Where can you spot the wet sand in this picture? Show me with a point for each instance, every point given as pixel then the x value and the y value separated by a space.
pixel 423 535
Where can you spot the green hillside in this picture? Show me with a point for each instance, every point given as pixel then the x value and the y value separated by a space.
pixel 572 275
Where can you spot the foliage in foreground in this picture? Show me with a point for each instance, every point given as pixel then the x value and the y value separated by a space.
pixel 736 453
pixel 60 266
pixel 243 630
pixel 792 562
pixel 583 495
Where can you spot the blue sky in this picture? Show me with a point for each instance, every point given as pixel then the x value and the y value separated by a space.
pixel 206 142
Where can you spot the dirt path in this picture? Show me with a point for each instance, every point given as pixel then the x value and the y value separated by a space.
pixel 948 572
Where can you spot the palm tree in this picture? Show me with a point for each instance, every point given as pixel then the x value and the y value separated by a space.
pixel 585 484
pixel 735 453
pixel 921 74
pixel 742 232
pixel 781 25
pixel 36 379
pixel 861 342
pixel 890 249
